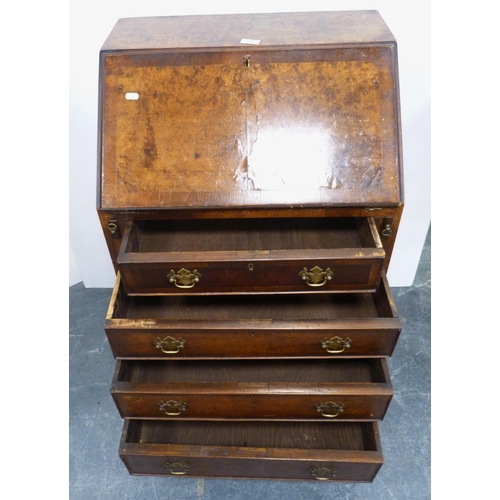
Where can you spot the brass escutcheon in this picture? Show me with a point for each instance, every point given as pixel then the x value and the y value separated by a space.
pixel 184 278
pixel 172 408
pixel 322 473
pixel 330 409
pixel 316 276
pixel 336 345
pixel 177 468
pixel 169 345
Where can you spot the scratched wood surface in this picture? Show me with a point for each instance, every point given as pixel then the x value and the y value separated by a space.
pixel 228 30
pixel 264 371
pixel 208 129
pixel 254 235
pixel 300 435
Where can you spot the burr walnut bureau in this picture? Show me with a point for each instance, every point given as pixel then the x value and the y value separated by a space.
pixel 250 192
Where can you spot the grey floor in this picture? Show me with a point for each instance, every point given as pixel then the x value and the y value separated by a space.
pixel 96 471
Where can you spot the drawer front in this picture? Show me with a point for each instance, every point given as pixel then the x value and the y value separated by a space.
pixel 162 343
pixel 352 470
pixel 188 406
pixel 247 276
pixel 355 453
pixel 256 389
pixel 162 257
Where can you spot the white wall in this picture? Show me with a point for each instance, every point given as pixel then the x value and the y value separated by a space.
pixel 90 24
pixel 74 272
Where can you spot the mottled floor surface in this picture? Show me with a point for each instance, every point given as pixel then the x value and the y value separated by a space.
pixel 96 472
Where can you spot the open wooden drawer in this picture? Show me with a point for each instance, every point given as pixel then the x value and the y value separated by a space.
pixel 216 256
pixel 255 326
pixel 324 389
pixel 339 451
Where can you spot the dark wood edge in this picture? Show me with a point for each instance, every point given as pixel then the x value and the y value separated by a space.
pixel 229 326
pixel 344 254
pixel 399 133
pixel 246 358
pixel 385 371
pixel 237 389
pixel 244 49
pixel 285 211
pixel 384 284
pixel 100 115
pixel 191 451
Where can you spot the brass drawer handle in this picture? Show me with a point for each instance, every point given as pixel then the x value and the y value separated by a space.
pixel 169 345
pixel 316 276
pixel 330 409
pixel 387 230
pixel 336 345
pixel 177 468
pixel 172 408
pixel 322 473
pixel 184 278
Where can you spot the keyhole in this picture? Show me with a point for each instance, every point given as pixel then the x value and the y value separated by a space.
pixel 250 267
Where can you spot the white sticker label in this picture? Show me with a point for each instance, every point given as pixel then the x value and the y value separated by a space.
pixel 249 41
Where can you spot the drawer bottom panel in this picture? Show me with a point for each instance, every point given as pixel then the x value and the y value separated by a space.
pixel 340 451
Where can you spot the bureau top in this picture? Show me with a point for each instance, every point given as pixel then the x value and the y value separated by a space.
pixel 260 110
pixel 235 30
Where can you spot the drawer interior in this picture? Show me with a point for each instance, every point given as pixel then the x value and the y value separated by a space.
pixel 254 371
pixel 255 307
pixel 256 234
pixel 302 435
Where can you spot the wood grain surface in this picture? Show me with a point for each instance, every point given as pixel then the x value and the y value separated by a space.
pixel 309 125
pixel 228 30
